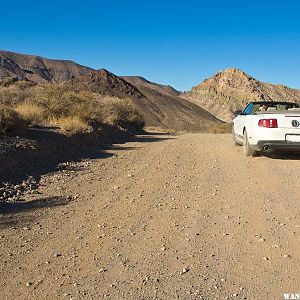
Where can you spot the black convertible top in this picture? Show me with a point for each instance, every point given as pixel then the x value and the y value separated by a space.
pixel 270 103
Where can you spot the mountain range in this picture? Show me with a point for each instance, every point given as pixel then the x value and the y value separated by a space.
pixel 204 105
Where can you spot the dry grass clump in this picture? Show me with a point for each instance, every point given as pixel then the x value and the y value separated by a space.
pixel 32 113
pixel 11 123
pixel 71 125
pixel 220 128
pixel 162 130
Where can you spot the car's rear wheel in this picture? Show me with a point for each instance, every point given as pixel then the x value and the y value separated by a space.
pixel 234 141
pixel 248 151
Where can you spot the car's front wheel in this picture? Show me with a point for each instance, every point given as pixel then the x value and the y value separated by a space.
pixel 248 151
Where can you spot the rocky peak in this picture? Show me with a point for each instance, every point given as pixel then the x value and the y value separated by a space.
pixel 230 78
pixel 232 88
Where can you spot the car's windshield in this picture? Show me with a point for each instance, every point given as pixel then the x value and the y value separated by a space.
pixel 260 107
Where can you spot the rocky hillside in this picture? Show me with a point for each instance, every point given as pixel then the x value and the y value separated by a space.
pixel 160 105
pixel 231 89
pixel 142 82
pixel 38 69
pixel 105 83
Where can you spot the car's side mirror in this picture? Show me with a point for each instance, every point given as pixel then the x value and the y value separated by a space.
pixel 238 113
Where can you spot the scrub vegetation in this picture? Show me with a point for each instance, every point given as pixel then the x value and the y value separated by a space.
pixel 23 103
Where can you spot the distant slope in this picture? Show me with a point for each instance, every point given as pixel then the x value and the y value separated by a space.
pixel 231 89
pixel 38 69
pixel 141 81
pixel 168 109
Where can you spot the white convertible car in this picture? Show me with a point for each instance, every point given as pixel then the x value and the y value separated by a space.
pixel 267 126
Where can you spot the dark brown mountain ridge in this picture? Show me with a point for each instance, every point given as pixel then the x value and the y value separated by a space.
pixel 38 69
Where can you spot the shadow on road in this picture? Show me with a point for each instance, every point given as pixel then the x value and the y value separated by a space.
pixel 48 149
pixel 22 212
pixel 37 164
pixel 282 155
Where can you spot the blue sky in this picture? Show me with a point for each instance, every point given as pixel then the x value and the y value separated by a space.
pixel 172 42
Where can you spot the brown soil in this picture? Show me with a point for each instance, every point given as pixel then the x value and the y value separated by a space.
pixel 163 217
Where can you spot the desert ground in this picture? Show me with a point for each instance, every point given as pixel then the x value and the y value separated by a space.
pixel 162 216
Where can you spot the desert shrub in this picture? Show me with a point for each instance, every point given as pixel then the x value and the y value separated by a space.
pixel 32 113
pixel 71 125
pixel 58 101
pixel 220 128
pixel 121 112
pixel 51 97
pixel 11 123
pixel 13 94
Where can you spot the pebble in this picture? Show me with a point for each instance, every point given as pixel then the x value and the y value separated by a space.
pixel 102 270
pixel 184 270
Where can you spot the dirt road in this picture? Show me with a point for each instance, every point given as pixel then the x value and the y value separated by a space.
pixel 161 217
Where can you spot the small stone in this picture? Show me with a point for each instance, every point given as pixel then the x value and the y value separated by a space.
pixel 184 270
pixel 28 283
pixel 286 256
pixel 102 270
pixel 265 258
pixel 261 240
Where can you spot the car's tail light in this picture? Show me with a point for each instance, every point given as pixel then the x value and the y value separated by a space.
pixel 268 123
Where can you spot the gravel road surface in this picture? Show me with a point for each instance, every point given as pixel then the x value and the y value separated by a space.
pixel 160 217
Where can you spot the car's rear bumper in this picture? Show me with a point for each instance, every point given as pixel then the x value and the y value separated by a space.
pixel 276 146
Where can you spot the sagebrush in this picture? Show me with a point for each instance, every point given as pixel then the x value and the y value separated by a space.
pixel 72 111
